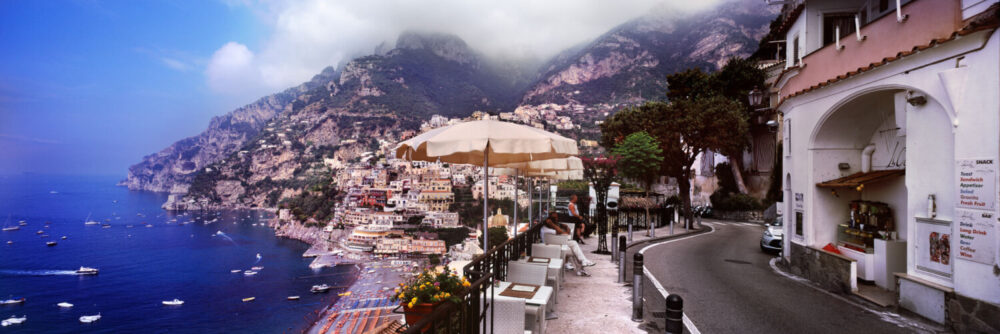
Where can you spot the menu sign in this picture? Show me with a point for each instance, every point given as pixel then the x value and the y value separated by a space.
pixel 976 236
pixel 976 184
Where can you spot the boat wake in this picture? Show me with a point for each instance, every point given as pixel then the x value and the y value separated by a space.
pixel 258 259
pixel 221 234
pixel 38 272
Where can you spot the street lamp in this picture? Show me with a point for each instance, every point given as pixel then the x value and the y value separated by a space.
pixel 755 96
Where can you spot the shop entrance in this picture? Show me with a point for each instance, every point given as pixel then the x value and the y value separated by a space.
pixel 860 194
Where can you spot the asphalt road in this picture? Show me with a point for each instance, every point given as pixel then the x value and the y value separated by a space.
pixel 728 286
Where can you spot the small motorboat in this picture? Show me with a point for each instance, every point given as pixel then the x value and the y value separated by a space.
pixel 320 288
pixel 63 237
pixel 9 242
pixel 293 297
pixel 256 268
pixel 175 302
pixel 249 299
pixel 12 301
pixel 51 243
pixel 105 225
pixel 235 271
pixel 13 320
pixel 87 271
pixel 11 228
pixel 149 225
pixel 39 232
pixel 249 273
pixel 90 318
pixel 64 305
pixel 24 223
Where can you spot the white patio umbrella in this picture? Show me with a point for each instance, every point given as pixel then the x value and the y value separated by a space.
pixel 490 142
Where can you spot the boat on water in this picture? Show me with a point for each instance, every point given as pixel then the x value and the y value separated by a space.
pixel 39 232
pixel 87 271
pixel 175 302
pixel 51 243
pixel 105 225
pixel 149 225
pixel 256 268
pixel 11 228
pixel 249 299
pixel 12 301
pixel 249 273
pixel 320 288
pixel 293 297
pixel 7 227
pixel 90 318
pixel 235 271
pixel 64 305
pixel 89 222
pixel 9 242
pixel 63 237
pixel 13 320
pixel 24 223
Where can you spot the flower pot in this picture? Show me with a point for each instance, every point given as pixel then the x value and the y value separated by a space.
pixel 417 312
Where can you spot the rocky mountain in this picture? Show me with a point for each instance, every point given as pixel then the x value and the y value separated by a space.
pixel 281 145
pixel 630 62
pixel 334 119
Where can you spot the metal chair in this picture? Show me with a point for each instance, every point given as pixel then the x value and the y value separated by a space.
pixel 553 278
pixel 509 316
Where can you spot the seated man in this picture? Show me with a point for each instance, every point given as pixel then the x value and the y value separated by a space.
pixel 578 257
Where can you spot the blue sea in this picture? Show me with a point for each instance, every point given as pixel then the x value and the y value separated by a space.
pixel 142 266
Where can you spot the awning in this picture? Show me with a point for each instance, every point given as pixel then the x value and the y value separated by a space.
pixel 857 179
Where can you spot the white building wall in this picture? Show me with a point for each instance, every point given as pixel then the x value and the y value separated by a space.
pixel 929 132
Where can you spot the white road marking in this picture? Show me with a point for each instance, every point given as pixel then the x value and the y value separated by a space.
pixel 687 321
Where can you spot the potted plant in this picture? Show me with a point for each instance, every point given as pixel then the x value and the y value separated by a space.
pixel 424 292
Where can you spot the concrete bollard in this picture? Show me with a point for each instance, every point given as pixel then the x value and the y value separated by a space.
pixel 637 288
pixel 630 229
pixel 675 314
pixel 621 258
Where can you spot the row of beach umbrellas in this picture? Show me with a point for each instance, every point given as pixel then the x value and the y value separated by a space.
pixel 508 148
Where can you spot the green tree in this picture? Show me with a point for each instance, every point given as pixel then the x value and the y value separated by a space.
pixel 683 128
pixel 640 160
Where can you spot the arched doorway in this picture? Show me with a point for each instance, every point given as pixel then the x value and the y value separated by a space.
pixel 864 194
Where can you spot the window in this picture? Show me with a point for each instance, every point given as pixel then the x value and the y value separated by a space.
pixel 798 223
pixel 795 50
pixel 844 21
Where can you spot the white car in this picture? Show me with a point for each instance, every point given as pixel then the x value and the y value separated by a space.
pixel 774 233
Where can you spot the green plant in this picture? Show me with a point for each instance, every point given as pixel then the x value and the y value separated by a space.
pixel 431 287
pixel 498 234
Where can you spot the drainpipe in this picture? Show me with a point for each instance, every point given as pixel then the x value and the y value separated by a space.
pixel 866 158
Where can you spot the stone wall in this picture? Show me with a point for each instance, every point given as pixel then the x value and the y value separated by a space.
pixel 968 315
pixel 830 271
pixel 739 215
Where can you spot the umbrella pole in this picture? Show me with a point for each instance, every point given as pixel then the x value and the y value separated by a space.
pixel 515 202
pixel 486 196
pixel 530 205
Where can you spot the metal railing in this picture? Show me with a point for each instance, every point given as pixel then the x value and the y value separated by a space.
pixel 469 315
pixel 495 260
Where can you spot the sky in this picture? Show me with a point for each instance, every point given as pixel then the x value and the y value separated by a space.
pixel 90 86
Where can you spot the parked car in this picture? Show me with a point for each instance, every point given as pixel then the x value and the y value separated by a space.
pixel 771 240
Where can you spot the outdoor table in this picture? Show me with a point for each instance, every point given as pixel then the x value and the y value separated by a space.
pixel 554 267
pixel 540 299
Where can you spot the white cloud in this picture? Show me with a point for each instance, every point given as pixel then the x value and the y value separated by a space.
pixel 308 35
pixel 175 64
pixel 231 69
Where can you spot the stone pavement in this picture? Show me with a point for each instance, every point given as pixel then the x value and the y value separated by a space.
pixel 598 304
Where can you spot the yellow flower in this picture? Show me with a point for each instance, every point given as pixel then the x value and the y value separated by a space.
pixel 401 296
pixel 413 301
pixel 466 283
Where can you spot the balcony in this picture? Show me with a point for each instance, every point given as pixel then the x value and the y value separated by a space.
pixel 884 39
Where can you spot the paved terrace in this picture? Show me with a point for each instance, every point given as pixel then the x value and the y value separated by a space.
pixel 598 303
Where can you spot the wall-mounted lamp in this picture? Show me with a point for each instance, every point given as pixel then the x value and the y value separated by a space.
pixel 915 99
pixel 755 97
pixel 900 17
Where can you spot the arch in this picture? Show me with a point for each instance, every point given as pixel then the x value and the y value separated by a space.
pixel 857 96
